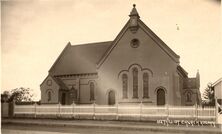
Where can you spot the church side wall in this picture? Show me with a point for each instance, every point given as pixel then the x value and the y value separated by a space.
pixel 82 85
pixel 177 89
pixel 85 90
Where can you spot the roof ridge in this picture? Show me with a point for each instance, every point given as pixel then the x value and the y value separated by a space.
pixel 217 81
pixel 93 43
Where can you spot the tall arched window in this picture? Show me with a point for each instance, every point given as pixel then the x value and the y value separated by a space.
pixel 145 85
pixel 135 83
pixel 49 96
pixel 74 93
pixel 125 85
pixel 92 87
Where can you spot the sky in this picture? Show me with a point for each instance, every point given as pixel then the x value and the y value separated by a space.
pixel 34 33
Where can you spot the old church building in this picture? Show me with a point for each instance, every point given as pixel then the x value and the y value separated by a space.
pixel 137 66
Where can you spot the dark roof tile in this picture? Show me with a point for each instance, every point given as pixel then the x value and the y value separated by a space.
pixel 62 85
pixel 78 59
pixel 190 83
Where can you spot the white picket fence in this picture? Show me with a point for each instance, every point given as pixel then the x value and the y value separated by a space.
pixel 139 111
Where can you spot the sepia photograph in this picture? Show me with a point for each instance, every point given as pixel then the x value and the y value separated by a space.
pixel 111 66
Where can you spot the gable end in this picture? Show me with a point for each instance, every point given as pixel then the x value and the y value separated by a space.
pixel 150 33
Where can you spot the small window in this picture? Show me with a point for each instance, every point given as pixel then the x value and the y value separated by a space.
pixel 74 93
pixel 125 85
pixel 188 97
pixel 49 96
pixel 145 85
pixel 135 83
pixel 92 87
pixel 49 82
pixel 135 43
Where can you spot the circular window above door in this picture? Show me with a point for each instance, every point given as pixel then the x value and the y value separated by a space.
pixel 49 82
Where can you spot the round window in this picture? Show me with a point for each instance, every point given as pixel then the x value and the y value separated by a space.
pixel 135 43
pixel 49 82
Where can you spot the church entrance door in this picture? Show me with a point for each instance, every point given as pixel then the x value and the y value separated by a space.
pixel 111 98
pixel 160 97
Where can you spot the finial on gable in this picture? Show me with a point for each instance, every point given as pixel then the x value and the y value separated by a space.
pixel 69 43
pixel 134 17
pixel 134 12
pixel 197 74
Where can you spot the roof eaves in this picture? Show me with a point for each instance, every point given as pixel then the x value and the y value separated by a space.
pixel 160 43
pixel 216 82
pixel 113 44
pixel 60 83
pixel 44 80
pixel 182 71
pixel 93 43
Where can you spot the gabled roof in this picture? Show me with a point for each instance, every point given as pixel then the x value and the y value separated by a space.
pixel 150 33
pixel 190 83
pixel 63 51
pixel 77 59
pixel 58 81
pixel 87 58
pixel 182 71
pixel 218 81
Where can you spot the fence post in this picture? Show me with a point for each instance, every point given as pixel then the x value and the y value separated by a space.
pixel 59 109
pixel 117 111
pixel 35 109
pixel 94 110
pixel 196 111
pixel 168 113
pixel 216 111
pixel 140 109
pixel 12 108
pixel 73 109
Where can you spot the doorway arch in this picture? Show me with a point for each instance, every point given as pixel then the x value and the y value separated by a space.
pixel 161 97
pixel 111 97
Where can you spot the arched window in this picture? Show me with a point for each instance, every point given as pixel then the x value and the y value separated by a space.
pixel 135 83
pixel 145 85
pixel 74 93
pixel 188 97
pixel 92 97
pixel 111 98
pixel 125 85
pixel 49 96
pixel 161 97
